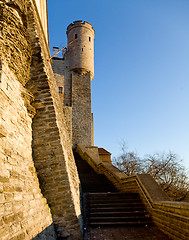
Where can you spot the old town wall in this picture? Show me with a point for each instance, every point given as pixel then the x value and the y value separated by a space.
pixel 37 164
pixel 52 148
pixel 24 213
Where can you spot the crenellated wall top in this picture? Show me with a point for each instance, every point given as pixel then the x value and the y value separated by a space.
pixel 80 23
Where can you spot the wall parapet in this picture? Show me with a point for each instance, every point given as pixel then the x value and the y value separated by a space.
pixel 171 217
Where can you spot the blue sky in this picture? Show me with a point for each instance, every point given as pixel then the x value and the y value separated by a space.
pixel 140 92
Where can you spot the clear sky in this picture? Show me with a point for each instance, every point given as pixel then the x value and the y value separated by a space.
pixel 140 92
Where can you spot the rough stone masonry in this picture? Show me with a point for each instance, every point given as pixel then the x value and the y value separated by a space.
pixel 39 184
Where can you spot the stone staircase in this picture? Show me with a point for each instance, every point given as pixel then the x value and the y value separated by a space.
pixel 102 203
pixel 115 209
pixel 108 213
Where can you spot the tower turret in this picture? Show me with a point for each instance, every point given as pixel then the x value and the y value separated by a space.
pixel 74 73
pixel 81 50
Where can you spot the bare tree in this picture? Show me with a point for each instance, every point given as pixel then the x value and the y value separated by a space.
pixel 128 162
pixel 168 171
pixel 165 168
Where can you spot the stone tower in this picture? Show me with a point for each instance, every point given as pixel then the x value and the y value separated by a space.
pixel 74 73
pixel 82 49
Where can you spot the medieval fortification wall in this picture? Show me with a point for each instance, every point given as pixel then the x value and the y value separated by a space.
pixel 41 119
pixel 39 184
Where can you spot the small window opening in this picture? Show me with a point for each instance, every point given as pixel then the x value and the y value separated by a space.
pixel 82 49
pixel 75 36
pixel 60 89
pixel 89 39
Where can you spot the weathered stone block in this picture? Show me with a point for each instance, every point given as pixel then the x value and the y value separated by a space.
pixel 3 131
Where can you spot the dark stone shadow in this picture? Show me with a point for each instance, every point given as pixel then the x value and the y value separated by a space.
pixel 47 234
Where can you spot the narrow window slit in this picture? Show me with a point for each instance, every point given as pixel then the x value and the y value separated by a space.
pixel 60 89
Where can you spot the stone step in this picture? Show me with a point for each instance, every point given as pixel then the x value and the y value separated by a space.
pixel 110 200
pixel 119 219
pixel 94 189
pixel 116 209
pixel 98 197
pixel 97 224
pixel 118 214
pixel 115 204
pixel 112 194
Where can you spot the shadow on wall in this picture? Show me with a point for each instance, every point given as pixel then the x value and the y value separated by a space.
pixel 47 234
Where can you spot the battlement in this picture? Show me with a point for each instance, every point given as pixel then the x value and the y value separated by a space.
pixel 80 23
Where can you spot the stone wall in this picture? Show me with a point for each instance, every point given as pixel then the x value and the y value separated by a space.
pixel 52 148
pixel 24 213
pixel 92 130
pixel 172 218
pixel 63 77
pixel 33 135
pixel 59 76
pixel 68 117
pixel 77 95
pixel 81 109
pixel 15 47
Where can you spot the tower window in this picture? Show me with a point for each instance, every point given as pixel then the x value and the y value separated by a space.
pixel 82 49
pixel 60 89
pixel 89 39
pixel 75 36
